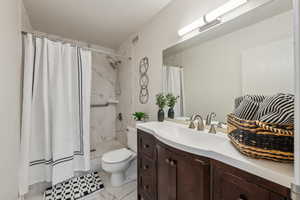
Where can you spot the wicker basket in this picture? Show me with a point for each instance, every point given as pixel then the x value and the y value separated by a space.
pixel 262 140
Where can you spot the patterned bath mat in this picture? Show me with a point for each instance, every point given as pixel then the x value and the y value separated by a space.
pixel 75 188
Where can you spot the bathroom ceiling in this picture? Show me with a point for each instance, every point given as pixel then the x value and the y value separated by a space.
pixel 101 22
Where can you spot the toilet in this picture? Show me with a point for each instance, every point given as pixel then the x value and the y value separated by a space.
pixel 116 162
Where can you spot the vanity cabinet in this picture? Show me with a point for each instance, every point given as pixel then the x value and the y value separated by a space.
pixel 166 173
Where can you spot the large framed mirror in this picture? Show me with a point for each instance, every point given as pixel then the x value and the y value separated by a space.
pixel 250 53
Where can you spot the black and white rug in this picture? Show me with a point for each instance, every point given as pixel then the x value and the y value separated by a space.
pixel 75 188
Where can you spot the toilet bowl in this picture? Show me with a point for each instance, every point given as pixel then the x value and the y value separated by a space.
pixel 116 162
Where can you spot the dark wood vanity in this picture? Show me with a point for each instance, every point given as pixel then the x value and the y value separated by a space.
pixel 166 173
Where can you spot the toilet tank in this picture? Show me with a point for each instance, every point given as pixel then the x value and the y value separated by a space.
pixel 132 138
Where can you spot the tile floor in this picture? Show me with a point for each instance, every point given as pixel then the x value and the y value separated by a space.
pixel 126 192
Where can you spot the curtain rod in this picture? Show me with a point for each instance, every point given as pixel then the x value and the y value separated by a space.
pixel 74 43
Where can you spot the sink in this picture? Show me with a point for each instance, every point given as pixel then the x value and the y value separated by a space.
pixel 180 134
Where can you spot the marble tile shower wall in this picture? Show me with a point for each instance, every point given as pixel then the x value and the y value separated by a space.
pixel 103 119
pixel 126 96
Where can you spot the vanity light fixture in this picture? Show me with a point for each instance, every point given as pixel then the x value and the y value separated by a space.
pixel 193 26
pixel 222 10
pixel 212 18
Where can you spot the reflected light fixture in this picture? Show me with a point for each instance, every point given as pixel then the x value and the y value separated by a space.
pixel 196 24
pixel 212 16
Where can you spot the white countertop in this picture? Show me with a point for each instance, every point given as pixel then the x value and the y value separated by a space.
pixel 217 147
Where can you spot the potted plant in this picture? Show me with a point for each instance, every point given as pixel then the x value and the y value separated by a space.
pixel 140 116
pixel 161 103
pixel 171 102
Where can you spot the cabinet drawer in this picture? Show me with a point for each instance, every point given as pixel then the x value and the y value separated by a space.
pixel 231 187
pixel 147 186
pixel 146 144
pixel 274 196
pixel 144 197
pixel 146 166
pixel 230 183
pixel 147 181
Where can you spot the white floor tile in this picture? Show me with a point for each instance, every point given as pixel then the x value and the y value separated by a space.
pixel 131 196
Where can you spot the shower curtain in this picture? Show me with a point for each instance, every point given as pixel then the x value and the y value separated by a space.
pixel 173 83
pixel 55 112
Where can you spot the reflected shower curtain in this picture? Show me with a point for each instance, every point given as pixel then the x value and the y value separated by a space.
pixel 55 112
pixel 173 83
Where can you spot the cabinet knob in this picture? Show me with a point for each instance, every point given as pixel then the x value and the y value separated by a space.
pixel 168 160
pixel 172 163
pixel 146 187
pixel 146 146
pixel 146 167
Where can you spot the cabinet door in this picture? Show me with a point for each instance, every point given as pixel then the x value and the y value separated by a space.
pixel 193 177
pixel 274 196
pixel 228 186
pixel 163 176
pixel 182 176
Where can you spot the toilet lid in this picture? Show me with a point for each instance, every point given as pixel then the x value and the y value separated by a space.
pixel 117 155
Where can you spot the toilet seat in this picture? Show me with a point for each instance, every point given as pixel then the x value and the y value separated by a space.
pixel 117 156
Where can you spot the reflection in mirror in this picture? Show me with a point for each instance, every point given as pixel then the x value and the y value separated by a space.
pixel 212 69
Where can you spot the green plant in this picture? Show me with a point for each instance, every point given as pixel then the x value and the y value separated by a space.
pixel 171 100
pixel 139 116
pixel 161 100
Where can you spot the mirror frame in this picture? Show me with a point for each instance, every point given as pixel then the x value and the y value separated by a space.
pixel 296 183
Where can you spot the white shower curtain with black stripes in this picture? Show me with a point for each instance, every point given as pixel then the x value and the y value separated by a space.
pixel 55 112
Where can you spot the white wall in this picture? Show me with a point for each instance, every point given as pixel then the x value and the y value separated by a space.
pixel 213 70
pixel 25 21
pixel 156 36
pixel 10 80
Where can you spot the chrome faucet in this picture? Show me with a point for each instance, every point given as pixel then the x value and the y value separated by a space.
pixel 200 124
pixel 209 118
